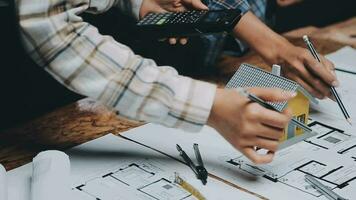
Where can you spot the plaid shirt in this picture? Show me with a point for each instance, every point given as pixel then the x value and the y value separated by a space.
pixel 82 59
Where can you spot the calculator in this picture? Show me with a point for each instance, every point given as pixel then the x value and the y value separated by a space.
pixel 188 23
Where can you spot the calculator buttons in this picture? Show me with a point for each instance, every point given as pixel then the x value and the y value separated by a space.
pixel 188 17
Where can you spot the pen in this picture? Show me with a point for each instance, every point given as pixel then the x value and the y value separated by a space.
pixel 254 98
pixel 333 90
pixel 328 193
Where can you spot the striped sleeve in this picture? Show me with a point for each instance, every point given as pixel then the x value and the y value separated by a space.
pixel 130 7
pixel 97 66
pixel 242 5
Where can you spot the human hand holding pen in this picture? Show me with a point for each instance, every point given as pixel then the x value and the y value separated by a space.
pixel 316 77
pixel 298 64
pixel 246 125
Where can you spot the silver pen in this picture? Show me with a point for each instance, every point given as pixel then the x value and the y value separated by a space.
pixel 327 192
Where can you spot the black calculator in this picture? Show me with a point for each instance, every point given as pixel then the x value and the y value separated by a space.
pixel 188 23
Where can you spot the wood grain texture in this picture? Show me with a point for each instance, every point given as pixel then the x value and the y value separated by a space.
pixel 86 119
pixel 61 129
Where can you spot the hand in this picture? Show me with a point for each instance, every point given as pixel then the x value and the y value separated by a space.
pixel 247 125
pixel 299 65
pixel 284 3
pixel 158 6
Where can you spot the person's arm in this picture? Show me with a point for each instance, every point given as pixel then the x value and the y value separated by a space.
pixel 97 66
pixel 94 65
pixel 297 63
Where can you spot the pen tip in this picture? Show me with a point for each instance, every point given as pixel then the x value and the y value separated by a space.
pixel 305 38
pixel 349 120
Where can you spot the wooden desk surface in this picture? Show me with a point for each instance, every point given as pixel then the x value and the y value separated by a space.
pixel 86 119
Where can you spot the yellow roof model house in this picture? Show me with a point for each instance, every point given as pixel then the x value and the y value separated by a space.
pixel 250 76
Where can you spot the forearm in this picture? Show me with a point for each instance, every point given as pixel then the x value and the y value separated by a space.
pixel 259 36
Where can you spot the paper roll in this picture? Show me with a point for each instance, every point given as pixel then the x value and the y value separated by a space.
pixel 3 183
pixel 51 176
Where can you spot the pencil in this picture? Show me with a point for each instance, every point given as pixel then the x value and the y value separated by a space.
pixel 268 106
pixel 333 90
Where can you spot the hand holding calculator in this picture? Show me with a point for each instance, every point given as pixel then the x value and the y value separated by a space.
pixel 180 24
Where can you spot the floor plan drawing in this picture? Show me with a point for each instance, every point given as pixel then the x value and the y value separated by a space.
pixel 329 157
pixel 115 168
pixel 310 157
pixel 144 180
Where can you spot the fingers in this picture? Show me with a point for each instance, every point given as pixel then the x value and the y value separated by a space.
pixel 172 41
pixel 182 41
pixel 272 94
pixel 268 117
pixel 322 88
pixel 274 119
pixel 271 145
pixel 319 70
pixel 256 158
pixel 269 133
pixel 197 4
pixel 329 65
pixel 309 88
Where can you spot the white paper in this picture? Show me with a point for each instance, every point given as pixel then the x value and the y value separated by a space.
pixel 281 179
pixel 3 183
pixel 50 176
pixel 329 112
pixel 344 59
pixel 109 154
pixel 112 154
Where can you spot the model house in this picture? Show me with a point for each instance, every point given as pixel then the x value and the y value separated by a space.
pixel 250 76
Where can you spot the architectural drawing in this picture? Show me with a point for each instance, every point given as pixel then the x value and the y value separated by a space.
pixel 140 179
pixel 329 157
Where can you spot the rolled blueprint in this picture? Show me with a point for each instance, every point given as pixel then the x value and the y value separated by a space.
pixel 51 176
pixel 3 183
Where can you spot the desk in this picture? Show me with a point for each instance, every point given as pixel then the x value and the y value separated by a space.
pixel 86 119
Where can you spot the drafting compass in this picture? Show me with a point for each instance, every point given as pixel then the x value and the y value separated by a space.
pixel 199 169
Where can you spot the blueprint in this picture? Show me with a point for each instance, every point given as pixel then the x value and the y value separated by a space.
pixel 113 168
pixel 329 112
pixel 141 164
pixel 329 157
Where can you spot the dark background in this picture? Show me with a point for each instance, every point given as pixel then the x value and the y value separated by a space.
pixel 313 12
